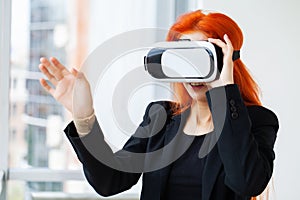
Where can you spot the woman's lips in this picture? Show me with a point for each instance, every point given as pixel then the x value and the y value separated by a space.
pixel 197 86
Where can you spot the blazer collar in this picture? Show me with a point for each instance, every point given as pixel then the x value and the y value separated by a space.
pixel 175 138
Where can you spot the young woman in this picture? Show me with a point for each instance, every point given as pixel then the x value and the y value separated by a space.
pixel 217 140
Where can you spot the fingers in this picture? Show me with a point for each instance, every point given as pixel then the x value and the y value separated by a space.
pixel 46 86
pixel 74 72
pixel 57 64
pixel 50 77
pixel 55 70
pixel 218 42
pixel 226 46
pixel 228 42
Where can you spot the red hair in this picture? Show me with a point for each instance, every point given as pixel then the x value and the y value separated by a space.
pixel 214 25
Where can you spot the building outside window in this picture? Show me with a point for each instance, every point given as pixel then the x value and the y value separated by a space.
pixel 40 158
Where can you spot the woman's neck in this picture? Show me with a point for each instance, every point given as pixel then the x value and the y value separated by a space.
pixel 200 112
pixel 199 121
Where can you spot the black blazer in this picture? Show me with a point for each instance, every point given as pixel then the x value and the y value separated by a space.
pixel 240 150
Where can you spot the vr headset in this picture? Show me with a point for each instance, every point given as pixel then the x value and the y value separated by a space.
pixel 185 61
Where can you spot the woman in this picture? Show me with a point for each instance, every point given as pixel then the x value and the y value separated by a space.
pixel 223 118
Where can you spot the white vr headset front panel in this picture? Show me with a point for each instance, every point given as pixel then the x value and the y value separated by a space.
pixel 182 61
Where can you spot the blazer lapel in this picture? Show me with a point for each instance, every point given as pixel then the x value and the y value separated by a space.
pixel 175 144
pixel 211 169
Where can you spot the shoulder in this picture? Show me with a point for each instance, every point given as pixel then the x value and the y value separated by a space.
pixel 156 107
pixel 159 111
pixel 262 116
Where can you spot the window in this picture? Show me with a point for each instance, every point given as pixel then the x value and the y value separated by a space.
pixel 37 155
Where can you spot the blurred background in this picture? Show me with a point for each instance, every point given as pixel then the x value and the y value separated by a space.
pixel 34 151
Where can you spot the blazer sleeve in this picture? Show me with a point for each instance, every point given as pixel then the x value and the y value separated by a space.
pixel 103 168
pixel 246 140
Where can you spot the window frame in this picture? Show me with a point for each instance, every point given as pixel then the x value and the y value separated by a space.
pixel 5 24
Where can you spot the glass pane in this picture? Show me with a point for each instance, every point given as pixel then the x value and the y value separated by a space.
pixel 32 141
pixel 69 30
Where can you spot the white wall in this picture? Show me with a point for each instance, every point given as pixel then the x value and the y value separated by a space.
pixel 271 52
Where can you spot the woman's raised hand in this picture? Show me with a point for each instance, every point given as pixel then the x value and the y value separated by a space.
pixel 226 76
pixel 70 88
